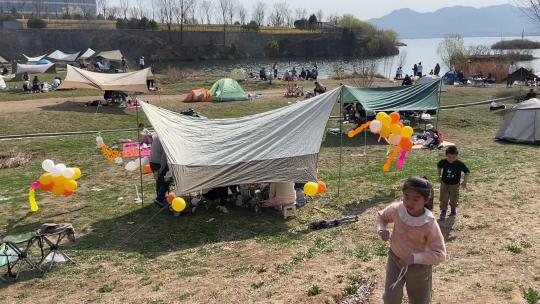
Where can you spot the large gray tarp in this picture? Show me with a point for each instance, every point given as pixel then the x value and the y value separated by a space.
pixel 522 123
pixel 280 145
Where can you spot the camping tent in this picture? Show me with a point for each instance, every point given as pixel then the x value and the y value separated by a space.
pixel 115 55
pixel 432 78
pixel 227 89
pixel 522 74
pixel 34 59
pixel 43 61
pixel 2 60
pixel 87 54
pixel 522 123
pixel 199 95
pixel 2 83
pixel 61 56
pixel 280 145
pixel 35 68
pixel 81 79
pixel 420 97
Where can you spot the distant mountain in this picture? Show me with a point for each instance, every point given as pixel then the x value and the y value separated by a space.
pixel 492 21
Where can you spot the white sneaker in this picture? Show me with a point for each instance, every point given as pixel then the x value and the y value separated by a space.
pixel 223 209
pixel 196 201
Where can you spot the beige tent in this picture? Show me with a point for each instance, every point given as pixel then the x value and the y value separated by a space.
pixel 35 68
pixel 131 82
pixel 2 60
pixel 34 59
pixel 115 55
pixel 87 54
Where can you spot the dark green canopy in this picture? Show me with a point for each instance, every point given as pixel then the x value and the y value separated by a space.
pixel 407 98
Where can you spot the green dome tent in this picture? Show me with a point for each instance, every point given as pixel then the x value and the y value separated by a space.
pixel 227 89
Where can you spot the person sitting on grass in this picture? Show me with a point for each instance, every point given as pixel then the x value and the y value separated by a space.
pixel 27 86
pixel 430 137
pixel 530 94
pixel 416 243
pixel 262 74
pixel 407 81
pixel 303 74
pixel 280 194
pixel 319 88
pixel 449 171
pixel 36 85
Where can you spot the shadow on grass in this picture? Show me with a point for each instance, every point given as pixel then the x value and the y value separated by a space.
pixel 333 140
pixel 73 106
pixel 151 232
pixel 381 198
pixel 446 228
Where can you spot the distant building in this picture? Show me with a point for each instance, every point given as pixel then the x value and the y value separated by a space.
pixel 52 8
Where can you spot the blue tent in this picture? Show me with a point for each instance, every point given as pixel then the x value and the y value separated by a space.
pixel 43 61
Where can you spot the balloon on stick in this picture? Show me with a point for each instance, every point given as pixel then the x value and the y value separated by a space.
pixel 388 163
pixel 32 200
pixel 401 160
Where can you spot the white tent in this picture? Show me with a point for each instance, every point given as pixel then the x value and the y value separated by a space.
pixel 81 79
pixel 2 83
pixel 522 123
pixel 280 145
pixel 61 56
pixel 35 68
pixel 34 59
pixel 2 60
pixel 115 55
pixel 87 54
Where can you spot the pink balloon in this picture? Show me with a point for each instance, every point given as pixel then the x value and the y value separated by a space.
pixel 401 160
pixel 35 185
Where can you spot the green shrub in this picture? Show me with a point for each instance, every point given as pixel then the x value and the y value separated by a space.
pixel 36 23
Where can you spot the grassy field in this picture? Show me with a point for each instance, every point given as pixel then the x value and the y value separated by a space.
pixel 126 253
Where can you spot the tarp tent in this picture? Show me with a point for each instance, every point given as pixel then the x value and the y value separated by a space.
pixel 432 78
pixel 2 83
pixel 199 95
pixel 2 60
pixel 34 59
pixel 130 82
pixel 522 74
pixel 227 89
pixel 43 61
pixel 61 56
pixel 280 145
pixel 87 54
pixel 522 123
pixel 419 97
pixel 115 55
pixel 35 68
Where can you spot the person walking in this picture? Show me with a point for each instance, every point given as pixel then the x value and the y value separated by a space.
pixel 415 70
pixel 141 62
pixel 511 70
pixel 437 69
pixel 275 68
pixel 420 70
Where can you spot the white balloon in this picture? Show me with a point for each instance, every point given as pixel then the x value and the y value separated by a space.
pixel 99 141
pixel 131 166
pixel 47 165
pixel 68 173
pixel 62 167
pixel 118 161
pixel 395 139
pixel 375 126
pixel 56 171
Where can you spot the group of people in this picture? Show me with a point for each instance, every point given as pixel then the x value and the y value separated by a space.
pixel 293 74
pixel 36 86
pixel 418 71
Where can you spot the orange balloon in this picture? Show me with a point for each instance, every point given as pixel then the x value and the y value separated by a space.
pixel 322 187
pixel 68 193
pixel 46 187
pixel 170 197
pixel 401 124
pixel 395 117
pixel 406 144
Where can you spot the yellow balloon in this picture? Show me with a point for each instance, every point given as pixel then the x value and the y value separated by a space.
pixel 311 188
pixel 45 179
pixel 386 121
pixel 70 185
pixel 58 180
pixel 395 129
pixel 407 132
pixel 385 131
pixel 58 190
pixel 380 115
pixel 178 204
pixel 77 173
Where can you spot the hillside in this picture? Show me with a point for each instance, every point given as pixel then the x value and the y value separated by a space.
pixel 493 21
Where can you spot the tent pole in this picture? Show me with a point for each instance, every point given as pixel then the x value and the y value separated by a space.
pixel 340 139
pixel 140 158
pixel 438 106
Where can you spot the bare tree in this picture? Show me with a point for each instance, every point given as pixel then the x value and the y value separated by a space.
pixel 242 13
pixel 529 8
pixel 280 15
pixel 38 7
pixel 320 15
pixel 124 7
pixel 113 12
pixel 225 6
pixel 259 12
pixel 206 9
pixel 102 7
pixel 301 13
pixel 332 19
pixel 181 11
pixel 166 14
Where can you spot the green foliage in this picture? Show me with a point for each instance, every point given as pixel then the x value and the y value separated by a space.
pixel 138 24
pixel 514 248
pixel 452 50
pixel 314 290
pixel 350 21
pixel 36 23
pixel 252 26
pixel 531 295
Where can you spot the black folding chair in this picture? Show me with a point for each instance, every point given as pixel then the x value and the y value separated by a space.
pixel 51 235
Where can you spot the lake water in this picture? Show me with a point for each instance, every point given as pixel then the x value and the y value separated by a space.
pixel 417 50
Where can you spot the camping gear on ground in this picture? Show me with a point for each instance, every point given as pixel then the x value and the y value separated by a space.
pixel 61 56
pixel 51 235
pixel 199 95
pixel 34 59
pixel 238 74
pixel 294 90
pixel 191 112
pixel 333 223
pixel 129 82
pixel 227 89
pixel 14 253
pixel 522 123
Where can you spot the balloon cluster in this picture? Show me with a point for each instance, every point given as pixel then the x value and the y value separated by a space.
pixel 58 179
pixel 313 188
pixel 109 153
pixel 134 164
pixel 394 132
pixel 115 155
pixel 178 204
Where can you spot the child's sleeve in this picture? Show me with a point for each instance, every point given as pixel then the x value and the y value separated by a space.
pixel 386 216
pixel 436 252
pixel 465 169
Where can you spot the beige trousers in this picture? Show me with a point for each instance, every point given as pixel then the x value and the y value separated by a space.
pixel 417 280
pixel 449 193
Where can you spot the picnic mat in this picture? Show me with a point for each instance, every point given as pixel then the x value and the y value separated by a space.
pixel 444 144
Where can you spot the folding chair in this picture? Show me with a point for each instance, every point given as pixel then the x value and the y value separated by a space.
pixel 52 236
pixel 12 256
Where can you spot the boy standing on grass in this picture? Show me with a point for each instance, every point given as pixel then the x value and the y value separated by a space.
pixel 449 172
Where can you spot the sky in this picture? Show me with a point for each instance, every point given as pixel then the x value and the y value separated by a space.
pixel 367 9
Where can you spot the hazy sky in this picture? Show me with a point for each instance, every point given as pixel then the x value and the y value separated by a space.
pixel 366 9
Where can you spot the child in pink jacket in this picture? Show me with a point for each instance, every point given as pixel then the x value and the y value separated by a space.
pixel 416 243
